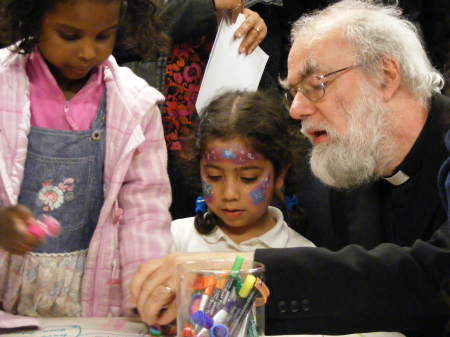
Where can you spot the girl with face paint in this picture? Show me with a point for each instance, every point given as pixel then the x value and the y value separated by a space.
pixel 243 155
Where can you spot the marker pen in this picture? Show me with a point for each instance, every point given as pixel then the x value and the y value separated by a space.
pixel 154 330
pixel 244 303
pixel 219 330
pixel 224 315
pixel 214 301
pixel 227 294
pixel 210 282
pixel 202 319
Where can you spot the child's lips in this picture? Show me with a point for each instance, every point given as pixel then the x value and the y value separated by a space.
pixel 232 213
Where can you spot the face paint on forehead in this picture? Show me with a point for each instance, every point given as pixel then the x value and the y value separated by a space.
pixel 258 194
pixel 235 155
pixel 207 191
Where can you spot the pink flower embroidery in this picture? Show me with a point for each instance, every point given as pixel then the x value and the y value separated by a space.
pixel 51 197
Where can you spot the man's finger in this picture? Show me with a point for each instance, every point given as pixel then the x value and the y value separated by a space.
pixel 151 304
pixel 144 271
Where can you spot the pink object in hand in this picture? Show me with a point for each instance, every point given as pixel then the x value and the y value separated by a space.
pixel 45 226
pixel 53 225
pixel 36 230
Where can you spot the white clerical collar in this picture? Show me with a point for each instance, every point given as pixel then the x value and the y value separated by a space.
pixel 398 178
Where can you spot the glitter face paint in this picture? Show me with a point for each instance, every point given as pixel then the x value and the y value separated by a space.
pixel 238 185
pixel 207 191
pixel 235 155
pixel 259 193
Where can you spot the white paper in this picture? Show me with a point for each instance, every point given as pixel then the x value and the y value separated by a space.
pixel 226 68
pixel 86 327
pixel 123 327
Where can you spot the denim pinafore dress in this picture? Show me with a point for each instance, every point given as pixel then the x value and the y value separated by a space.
pixel 63 178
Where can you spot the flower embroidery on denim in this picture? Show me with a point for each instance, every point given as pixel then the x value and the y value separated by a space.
pixel 51 197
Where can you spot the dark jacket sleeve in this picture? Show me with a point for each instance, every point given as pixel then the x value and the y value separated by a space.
pixel 189 18
pixel 389 288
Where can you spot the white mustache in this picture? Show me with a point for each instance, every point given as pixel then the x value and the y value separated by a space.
pixel 308 125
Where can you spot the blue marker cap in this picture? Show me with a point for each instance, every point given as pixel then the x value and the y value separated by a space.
pixel 202 319
pixel 218 330
pixel 154 330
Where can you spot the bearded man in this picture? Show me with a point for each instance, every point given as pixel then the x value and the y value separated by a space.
pixel 361 84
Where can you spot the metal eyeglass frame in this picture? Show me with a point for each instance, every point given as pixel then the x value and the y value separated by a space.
pixel 289 98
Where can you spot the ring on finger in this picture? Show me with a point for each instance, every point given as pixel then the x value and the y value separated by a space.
pixel 258 30
pixel 169 290
pixel 237 7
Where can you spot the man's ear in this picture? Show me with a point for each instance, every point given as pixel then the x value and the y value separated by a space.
pixel 391 77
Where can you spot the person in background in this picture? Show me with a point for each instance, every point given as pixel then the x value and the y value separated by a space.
pixel 243 155
pixel 82 141
pixel 192 25
pixel 368 98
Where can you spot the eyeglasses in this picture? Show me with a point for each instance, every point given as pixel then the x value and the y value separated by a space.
pixel 312 87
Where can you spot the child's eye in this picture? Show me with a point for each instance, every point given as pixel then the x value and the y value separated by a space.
pixel 249 180
pixel 68 37
pixel 103 37
pixel 214 178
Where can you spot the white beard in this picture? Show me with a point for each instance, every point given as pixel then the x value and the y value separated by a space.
pixel 363 154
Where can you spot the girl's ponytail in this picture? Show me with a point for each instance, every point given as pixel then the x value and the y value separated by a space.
pixel 204 223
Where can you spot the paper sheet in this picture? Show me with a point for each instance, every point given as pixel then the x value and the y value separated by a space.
pixel 85 327
pixel 226 68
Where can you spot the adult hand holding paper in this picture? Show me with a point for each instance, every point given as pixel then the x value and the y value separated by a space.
pixel 226 68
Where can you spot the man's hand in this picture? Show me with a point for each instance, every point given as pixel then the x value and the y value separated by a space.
pixel 154 286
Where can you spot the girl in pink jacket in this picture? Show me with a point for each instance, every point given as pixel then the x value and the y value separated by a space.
pixel 81 140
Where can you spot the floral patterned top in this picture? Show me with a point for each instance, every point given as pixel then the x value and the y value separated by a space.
pixel 184 72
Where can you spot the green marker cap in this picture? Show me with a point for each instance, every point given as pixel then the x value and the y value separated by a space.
pixel 238 261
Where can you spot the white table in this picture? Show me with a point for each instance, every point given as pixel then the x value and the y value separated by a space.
pixel 123 327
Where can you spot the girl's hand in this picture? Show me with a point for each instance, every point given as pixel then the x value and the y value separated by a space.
pixel 254 30
pixel 14 235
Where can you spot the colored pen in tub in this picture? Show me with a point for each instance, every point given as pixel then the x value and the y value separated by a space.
pixel 228 292
pixel 245 301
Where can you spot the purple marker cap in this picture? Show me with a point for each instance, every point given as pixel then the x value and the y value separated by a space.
pixel 219 330
pixel 202 319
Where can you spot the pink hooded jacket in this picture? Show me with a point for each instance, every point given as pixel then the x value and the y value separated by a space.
pixel 134 222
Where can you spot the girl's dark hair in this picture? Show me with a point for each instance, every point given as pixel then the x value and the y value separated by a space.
pixel 140 29
pixel 261 119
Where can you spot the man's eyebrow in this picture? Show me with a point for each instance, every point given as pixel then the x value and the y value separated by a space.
pixel 309 68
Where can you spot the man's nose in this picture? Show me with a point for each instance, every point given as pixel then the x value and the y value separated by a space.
pixel 301 107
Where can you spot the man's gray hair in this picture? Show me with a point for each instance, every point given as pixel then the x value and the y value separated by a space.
pixel 375 31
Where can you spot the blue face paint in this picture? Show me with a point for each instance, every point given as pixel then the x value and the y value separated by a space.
pixel 237 155
pixel 228 154
pixel 207 191
pixel 258 195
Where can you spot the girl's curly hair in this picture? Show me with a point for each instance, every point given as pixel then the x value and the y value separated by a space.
pixel 261 119
pixel 141 31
